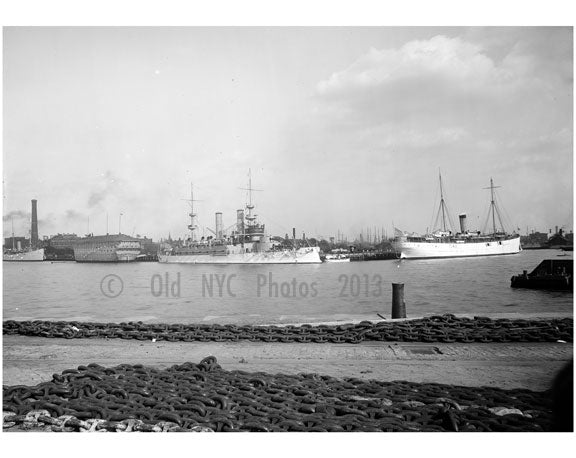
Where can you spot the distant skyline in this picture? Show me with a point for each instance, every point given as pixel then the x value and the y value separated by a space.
pixel 344 128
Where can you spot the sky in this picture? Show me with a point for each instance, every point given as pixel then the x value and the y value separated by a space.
pixel 343 128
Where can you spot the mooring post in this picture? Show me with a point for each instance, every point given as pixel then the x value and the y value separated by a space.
pixel 398 304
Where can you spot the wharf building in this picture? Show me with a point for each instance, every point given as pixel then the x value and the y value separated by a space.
pixel 107 248
pixel 19 243
pixel 60 247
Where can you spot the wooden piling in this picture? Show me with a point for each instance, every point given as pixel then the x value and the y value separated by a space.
pixel 398 304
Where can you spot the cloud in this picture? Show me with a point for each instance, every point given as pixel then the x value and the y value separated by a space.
pixel 450 60
pixel 74 215
pixel 440 84
pixel 16 214
pixel 108 186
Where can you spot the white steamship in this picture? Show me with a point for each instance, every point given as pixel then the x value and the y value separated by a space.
pixel 445 244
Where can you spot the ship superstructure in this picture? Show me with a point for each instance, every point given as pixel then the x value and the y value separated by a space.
pixel 246 243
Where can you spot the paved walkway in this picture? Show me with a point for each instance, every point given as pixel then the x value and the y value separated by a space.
pixel 31 360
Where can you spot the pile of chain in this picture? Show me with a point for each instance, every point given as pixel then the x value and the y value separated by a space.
pixel 204 397
pixel 439 328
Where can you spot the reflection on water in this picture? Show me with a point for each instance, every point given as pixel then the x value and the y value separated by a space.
pixel 154 292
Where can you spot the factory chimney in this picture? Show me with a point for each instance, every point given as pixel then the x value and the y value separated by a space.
pixel 462 217
pixel 34 229
pixel 219 232
pixel 240 221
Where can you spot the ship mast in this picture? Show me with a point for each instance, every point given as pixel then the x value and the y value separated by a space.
pixel 492 205
pixel 442 204
pixel 442 209
pixel 192 226
pixel 250 206
pixel 493 208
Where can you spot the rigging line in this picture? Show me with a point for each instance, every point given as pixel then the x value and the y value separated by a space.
pixel 488 219
pixel 448 214
pixel 485 225
pixel 495 210
pixel 433 210
pixel 509 220
pixel 498 215
pixel 266 217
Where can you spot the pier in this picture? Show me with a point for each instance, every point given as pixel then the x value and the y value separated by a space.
pixel 457 374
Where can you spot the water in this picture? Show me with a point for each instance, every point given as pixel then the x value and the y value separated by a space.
pixel 303 293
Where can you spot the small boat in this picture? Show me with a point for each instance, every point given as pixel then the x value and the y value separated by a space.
pixel 551 274
pixel 338 255
pixel 337 258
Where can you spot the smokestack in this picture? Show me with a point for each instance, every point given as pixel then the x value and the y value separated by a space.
pixel 462 217
pixel 34 231
pixel 240 221
pixel 219 231
pixel 294 233
pixel 554 232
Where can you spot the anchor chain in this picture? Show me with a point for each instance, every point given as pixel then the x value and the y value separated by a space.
pixel 205 397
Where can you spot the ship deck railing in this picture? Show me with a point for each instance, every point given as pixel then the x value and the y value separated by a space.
pixel 460 238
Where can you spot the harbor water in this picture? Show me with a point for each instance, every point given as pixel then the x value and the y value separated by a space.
pixel 274 294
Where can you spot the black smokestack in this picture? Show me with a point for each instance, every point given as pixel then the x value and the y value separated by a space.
pixel 34 231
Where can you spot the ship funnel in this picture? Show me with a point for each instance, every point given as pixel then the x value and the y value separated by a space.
pixel 34 229
pixel 219 232
pixel 462 217
pixel 240 221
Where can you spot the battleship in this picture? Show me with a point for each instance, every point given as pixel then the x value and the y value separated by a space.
pixel 445 244
pixel 248 242
pixel 32 253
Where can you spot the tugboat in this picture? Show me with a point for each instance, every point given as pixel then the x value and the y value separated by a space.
pixel 551 274
pixel 338 255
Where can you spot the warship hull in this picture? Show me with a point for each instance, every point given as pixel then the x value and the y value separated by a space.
pixel 309 255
